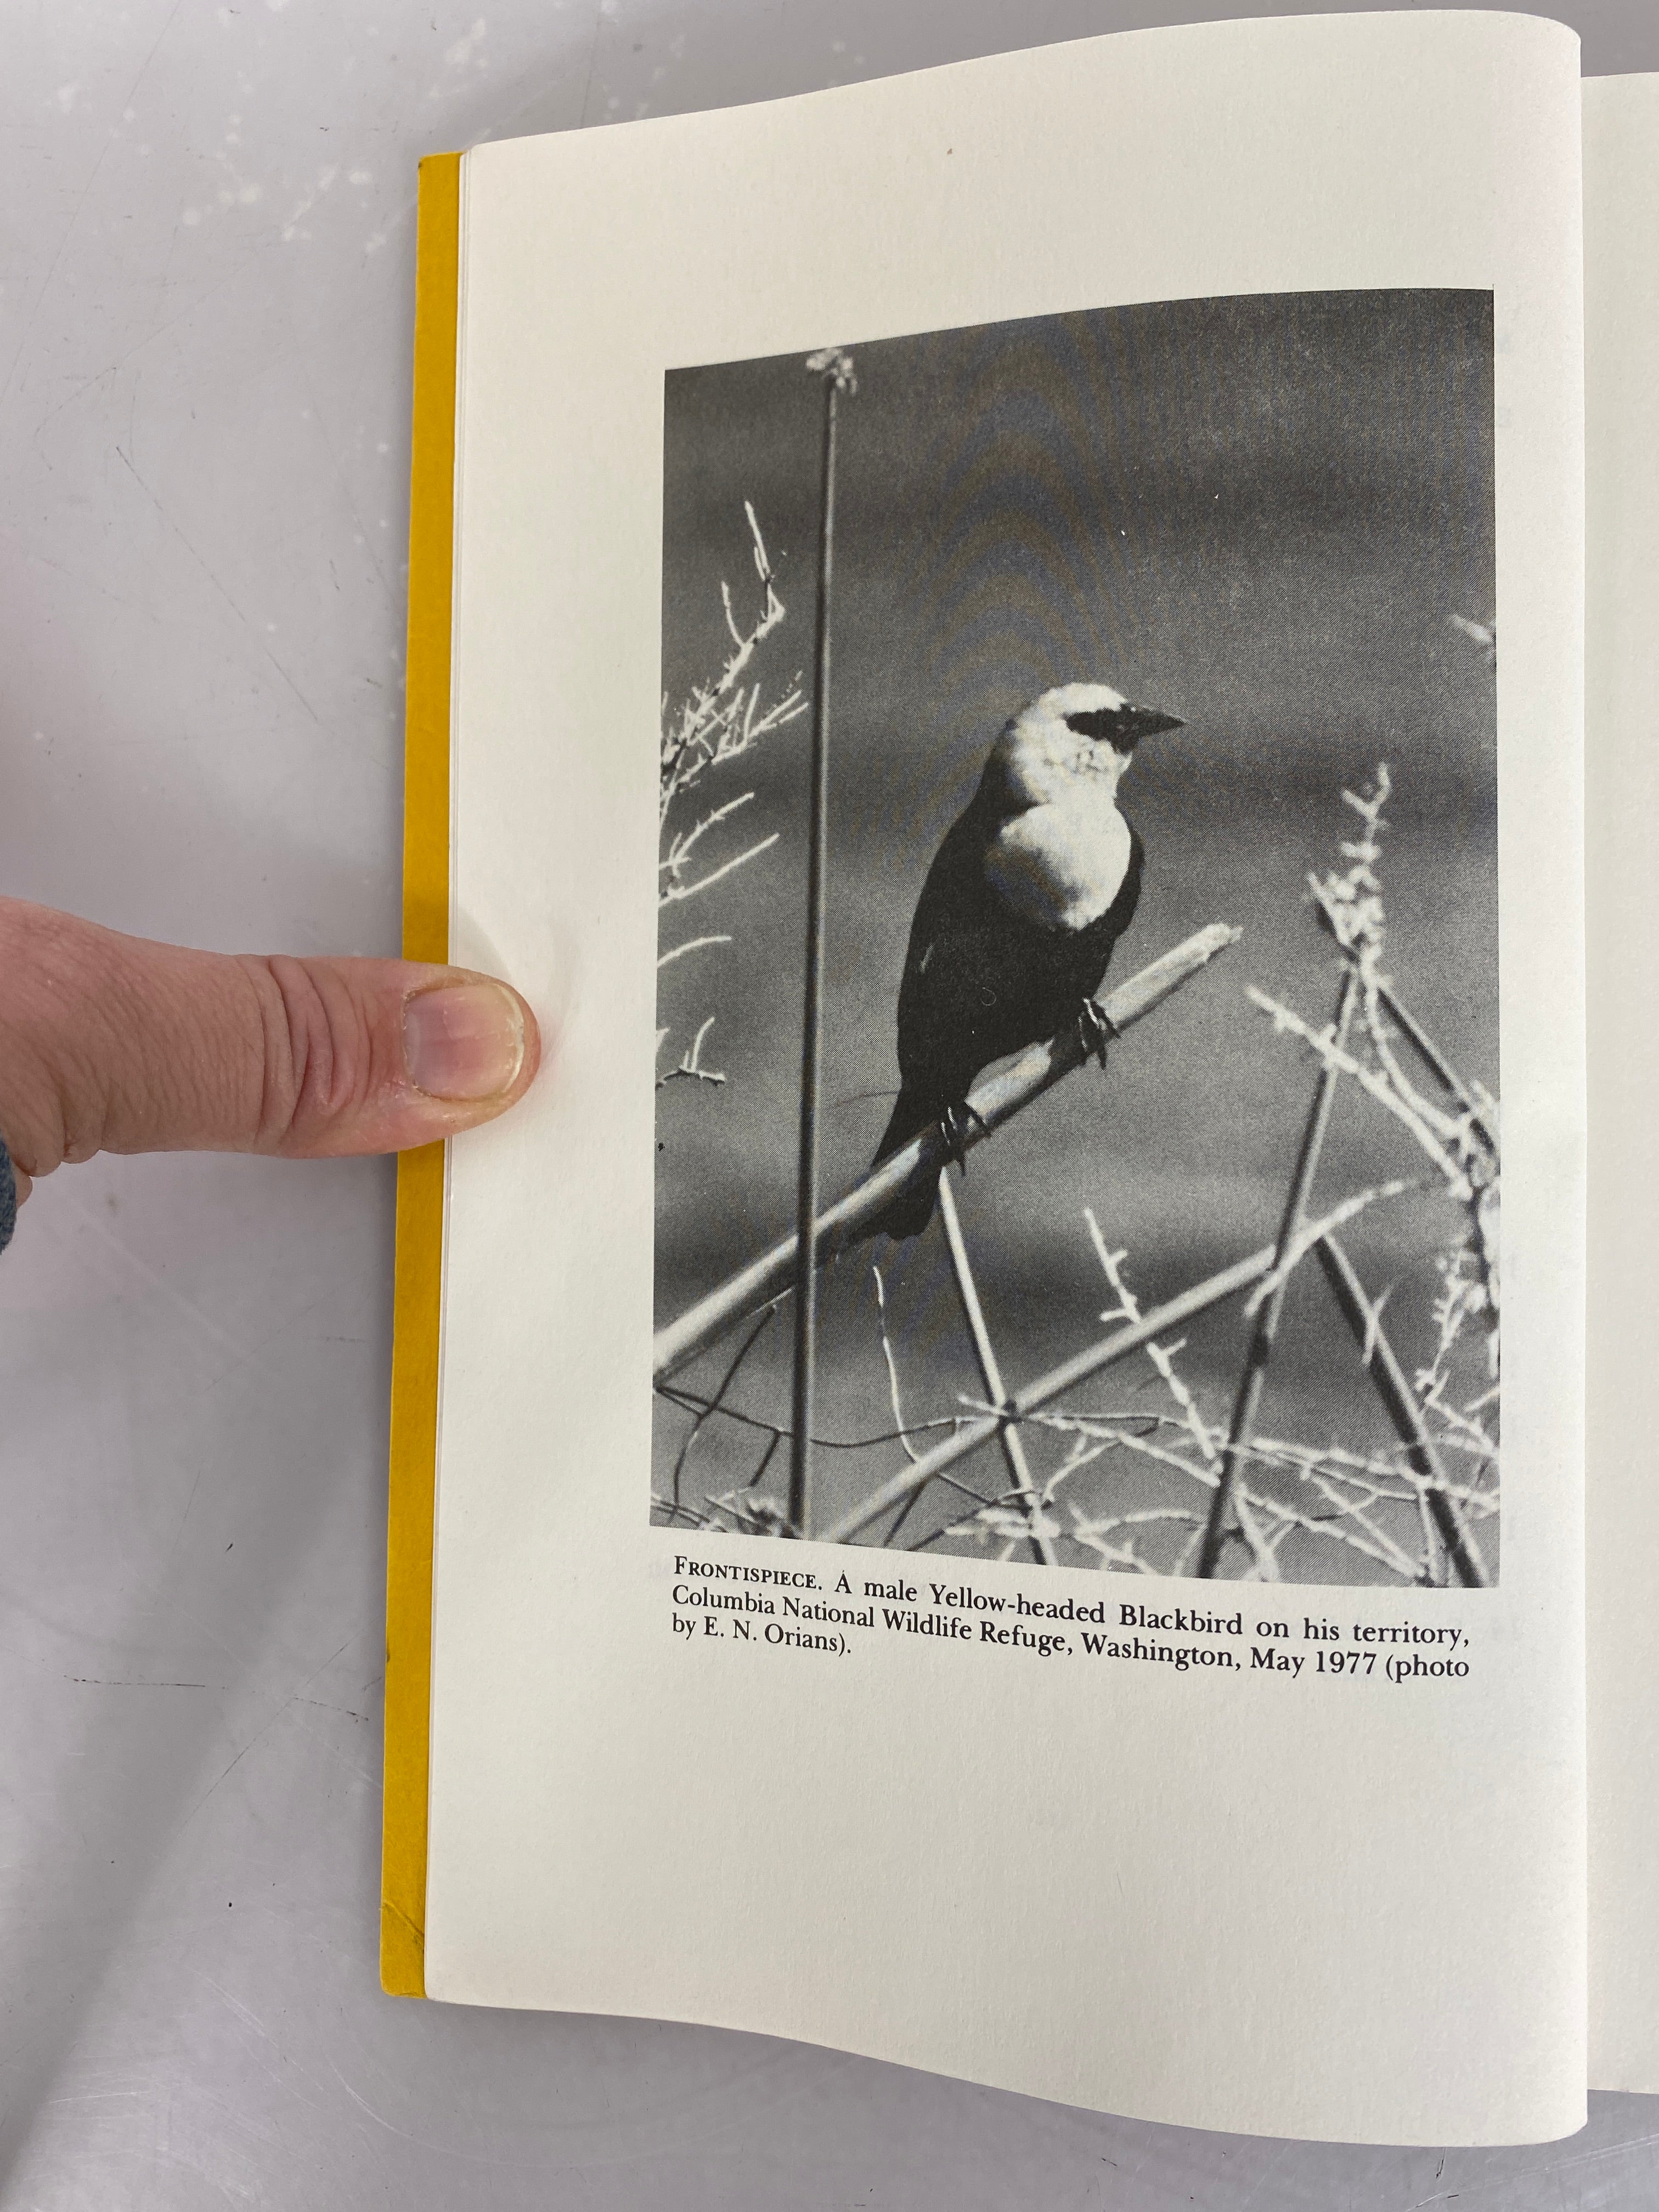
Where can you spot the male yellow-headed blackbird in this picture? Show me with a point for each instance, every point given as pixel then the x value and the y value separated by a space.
pixel 1031 888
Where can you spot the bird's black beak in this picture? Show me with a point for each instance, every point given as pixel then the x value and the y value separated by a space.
pixel 1137 722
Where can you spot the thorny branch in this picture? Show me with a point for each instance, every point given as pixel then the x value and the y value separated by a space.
pixel 1129 1308
pixel 717 722
pixel 690 1061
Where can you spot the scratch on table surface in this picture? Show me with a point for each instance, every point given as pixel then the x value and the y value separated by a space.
pixel 286 1707
pixel 319 417
pixel 34 559
pixel 226 1771
pixel 91 1218
pixel 592 59
pixel 75 212
pixel 109 1682
pixel 454 2151
pixel 326 1663
pixel 197 302
pixel 179 1532
pixel 177 1610
pixel 214 578
pixel 90 384
pixel 282 2065
pixel 368 1777
pixel 1476 2185
pixel 1265 2175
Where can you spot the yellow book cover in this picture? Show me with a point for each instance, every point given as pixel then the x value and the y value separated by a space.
pixel 420 1174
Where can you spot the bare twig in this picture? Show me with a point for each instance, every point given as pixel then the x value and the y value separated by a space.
pixel 1251 1381
pixel 718 722
pixel 690 1062
pixel 680 847
pixel 1310 1233
pixel 1013 1447
pixel 675 891
pixel 903 1433
pixel 1477 1106
pixel 1485 635
pixel 1339 1062
pixel 678 952
pixel 1397 1395
pixel 723 719
pixel 690 1401
pixel 1163 1358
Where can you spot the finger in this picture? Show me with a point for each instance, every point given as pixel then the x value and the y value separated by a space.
pixel 112 1043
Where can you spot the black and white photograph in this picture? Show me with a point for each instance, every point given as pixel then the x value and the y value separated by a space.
pixel 1078 1136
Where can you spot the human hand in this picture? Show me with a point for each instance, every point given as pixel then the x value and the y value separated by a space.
pixel 114 1045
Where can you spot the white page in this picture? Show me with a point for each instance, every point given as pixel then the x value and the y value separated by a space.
pixel 1621 351
pixel 1353 1912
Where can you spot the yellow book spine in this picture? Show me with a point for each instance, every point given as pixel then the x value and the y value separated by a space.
pixel 417 1297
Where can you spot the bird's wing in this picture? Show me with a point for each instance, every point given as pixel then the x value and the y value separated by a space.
pixel 963 989
pixel 953 934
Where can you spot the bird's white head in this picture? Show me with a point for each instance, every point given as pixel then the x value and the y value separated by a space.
pixel 1079 729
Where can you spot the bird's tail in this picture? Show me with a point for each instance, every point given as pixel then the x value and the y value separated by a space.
pixel 909 1214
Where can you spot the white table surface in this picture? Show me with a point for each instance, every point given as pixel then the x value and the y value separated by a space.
pixel 207 283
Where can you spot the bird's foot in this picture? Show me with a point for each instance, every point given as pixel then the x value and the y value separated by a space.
pixel 1096 1030
pixel 955 1124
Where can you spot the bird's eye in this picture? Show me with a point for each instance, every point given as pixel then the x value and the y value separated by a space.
pixel 1098 722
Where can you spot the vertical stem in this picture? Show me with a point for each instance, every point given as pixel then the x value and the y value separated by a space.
pixel 1267 1320
pixel 1393 1388
pixel 1013 1444
pixel 811 1055
pixel 1443 1068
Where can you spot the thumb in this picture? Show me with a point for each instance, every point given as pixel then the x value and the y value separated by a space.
pixel 112 1043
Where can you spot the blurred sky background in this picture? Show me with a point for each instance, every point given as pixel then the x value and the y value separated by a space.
pixel 1259 514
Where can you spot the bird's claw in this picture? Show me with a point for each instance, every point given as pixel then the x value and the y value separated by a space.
pixel 1096 1030
pixel 954 1124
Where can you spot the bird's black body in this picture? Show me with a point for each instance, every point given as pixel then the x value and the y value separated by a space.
pixel 982 979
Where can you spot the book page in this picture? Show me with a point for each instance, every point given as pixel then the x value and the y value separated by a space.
pixel 1621 352
pixel 1113 1686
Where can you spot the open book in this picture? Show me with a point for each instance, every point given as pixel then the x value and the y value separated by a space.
pixel 1005 650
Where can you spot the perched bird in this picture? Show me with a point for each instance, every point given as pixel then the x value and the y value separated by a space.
pixel 1031 888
